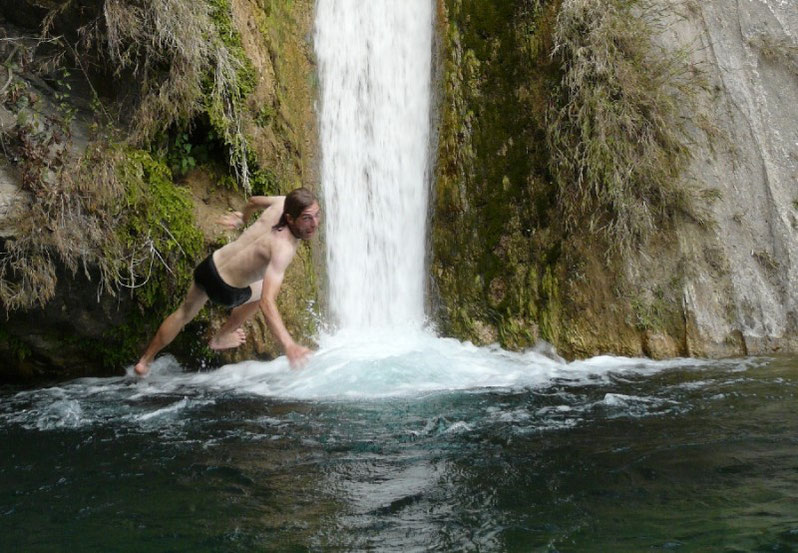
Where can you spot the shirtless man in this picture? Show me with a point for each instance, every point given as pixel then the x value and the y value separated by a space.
pixel 247 274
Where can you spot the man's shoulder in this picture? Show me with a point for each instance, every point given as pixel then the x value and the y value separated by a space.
pixel 275 241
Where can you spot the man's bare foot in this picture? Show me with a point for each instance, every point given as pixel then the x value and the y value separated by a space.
pixel 230 340
pixel 142 368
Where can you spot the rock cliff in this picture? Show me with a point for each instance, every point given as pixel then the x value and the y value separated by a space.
pixel 614 176
pixel 712 270
pixel 745 281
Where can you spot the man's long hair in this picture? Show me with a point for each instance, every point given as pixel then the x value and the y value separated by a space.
pixel 296 202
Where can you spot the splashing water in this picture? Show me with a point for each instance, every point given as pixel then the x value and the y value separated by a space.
pixel 353 371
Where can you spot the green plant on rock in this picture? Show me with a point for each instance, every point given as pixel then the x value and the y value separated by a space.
pixel 16 347
pixel 265 115
pixel 180 157
pixel 158 230
pixel 649 313
pixel 62 97
pixel 185 150
pixel 264 182
pixel 160 244
pixel 222 17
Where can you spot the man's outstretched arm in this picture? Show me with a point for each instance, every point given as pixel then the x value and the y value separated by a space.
pixel 238 219
pixel 272 279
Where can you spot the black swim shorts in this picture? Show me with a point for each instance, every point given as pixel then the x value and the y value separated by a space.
pixel 207 277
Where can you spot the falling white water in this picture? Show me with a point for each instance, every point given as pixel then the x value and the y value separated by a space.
pixel 374 65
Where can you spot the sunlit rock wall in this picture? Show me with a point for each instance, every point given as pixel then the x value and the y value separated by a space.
pixel 750 285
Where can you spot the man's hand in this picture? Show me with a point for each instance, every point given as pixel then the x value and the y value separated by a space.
pixel 232 220
pixel 297 355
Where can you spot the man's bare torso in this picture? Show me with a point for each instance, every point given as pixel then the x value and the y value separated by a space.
pixel 243 261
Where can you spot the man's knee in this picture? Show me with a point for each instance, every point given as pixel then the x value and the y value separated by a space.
pixel 184 314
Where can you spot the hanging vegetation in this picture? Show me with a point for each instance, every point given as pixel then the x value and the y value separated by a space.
pixel 618 132
pixel 185 58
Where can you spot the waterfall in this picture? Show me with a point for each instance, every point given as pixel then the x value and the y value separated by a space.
pixel 374 61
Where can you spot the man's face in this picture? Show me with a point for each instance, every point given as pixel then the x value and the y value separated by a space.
pixel 307 223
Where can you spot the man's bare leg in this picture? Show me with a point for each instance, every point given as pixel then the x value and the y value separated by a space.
pixel 231 335
pixel 172 326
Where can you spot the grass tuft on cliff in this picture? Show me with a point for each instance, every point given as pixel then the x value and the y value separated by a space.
pixel 618 140
pixel 187 58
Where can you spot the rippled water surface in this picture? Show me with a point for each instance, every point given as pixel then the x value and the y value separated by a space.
pixel 433 446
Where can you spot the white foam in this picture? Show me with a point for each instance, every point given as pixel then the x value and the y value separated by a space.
pixel 622 405
pixel 62 413
pixel 358 366
pixel 170 409
pixel 399 362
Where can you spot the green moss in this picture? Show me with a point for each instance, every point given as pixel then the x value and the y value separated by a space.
pixel 162 242
pixel 550 320
pixel 285 28
pixel 224 102
pixel 265 182
pixel 265 115
pixel 548 157
pixel 492 174
pixel 15 347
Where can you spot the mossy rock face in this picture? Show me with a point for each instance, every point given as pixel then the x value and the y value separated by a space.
pixel 495 265
pixel 163 212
